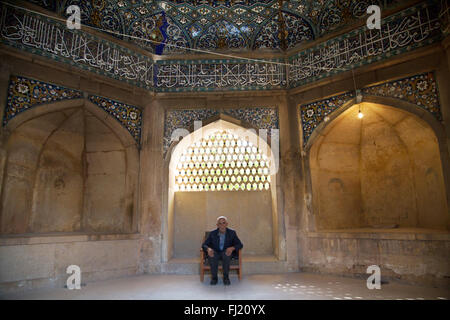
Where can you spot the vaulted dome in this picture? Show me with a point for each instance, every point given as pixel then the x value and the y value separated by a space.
pixel 166 27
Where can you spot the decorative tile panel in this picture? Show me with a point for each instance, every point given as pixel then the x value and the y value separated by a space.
pixel 218 75
pixel 40 35
pixel 216 24
pixel 420 90
pixel 24 93
pixel 298 30
pixel 183 119
pixel 314 113
pixel 259 117
pixel 405 31
pixel 129 116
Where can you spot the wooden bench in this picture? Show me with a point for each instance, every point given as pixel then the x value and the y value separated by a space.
pixel 235 263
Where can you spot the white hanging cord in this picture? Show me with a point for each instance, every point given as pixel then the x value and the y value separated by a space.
pixel 152 41
pixel 173 45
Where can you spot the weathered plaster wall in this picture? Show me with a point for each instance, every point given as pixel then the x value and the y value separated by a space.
pixel 42 261
pixel 248 212
pixel 68 197
pixel 106 206
pixel 37 260
pixel 65 172
pixel 408 256
pixel 383 169
pixel 415 255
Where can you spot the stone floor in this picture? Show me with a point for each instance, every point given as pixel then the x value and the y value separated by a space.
pixel 288 286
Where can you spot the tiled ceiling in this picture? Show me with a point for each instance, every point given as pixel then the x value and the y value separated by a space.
pixel 239 25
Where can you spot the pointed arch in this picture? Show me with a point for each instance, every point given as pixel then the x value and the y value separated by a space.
pixel 394 103
pixel 215 123
pixel 54 167
pixel 42 109
pixel 219 123
pixel 341 170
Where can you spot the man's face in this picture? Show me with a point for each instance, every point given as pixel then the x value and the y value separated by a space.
pixel 222 225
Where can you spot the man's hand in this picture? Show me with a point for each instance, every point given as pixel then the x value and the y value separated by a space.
pixel 229 251
pixel 210 252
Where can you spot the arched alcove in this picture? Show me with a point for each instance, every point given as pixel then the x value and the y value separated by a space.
pixel 251 208
pixel 69 168
pixel 383 170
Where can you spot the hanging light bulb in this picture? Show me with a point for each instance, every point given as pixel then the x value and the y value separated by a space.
pixel 359 97
pixel 360 114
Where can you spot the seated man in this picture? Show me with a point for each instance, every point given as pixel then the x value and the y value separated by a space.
pixel 220 245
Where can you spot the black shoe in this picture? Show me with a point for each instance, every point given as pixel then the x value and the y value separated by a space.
pixel 226 281
pixel 213 281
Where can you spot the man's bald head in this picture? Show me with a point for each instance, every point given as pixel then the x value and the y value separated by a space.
pixel 222 217
pixel 222 223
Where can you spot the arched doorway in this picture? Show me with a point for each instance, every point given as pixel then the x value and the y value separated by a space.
pixel 383 170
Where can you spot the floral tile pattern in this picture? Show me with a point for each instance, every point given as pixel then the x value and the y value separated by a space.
pixel 212 25
pixel 259 117
pixel 183 119
pixel 314 113
pixel 399 33
pixel 129 116
pixel 420 90
pixel 24 93
pixel 209 25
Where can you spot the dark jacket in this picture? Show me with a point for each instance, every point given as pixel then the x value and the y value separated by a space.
pixel 231 240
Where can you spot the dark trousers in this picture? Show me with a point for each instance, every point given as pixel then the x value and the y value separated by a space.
pixel 214 263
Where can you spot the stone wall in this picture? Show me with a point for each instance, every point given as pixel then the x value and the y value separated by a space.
pixel 42 261
pixel 68 197
pixel 82 153
pixel 383 169
pixel 408 256
pixel 414 255
pixel 66 171
pixel 248 212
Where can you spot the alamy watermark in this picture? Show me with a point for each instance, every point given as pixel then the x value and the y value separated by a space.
pixel 74 20
pixel 74 280
pixel 272 151
pixel 374 281
pixel 374 20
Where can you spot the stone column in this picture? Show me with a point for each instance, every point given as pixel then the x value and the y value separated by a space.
pixel 443 79
pixel 299 163
pixel 5 73
pixel 291 175
pixel 150 201
pixel 446 46
pixel 289 160
pixel 443 83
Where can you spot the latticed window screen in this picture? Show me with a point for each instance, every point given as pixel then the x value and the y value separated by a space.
pixel 222 161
